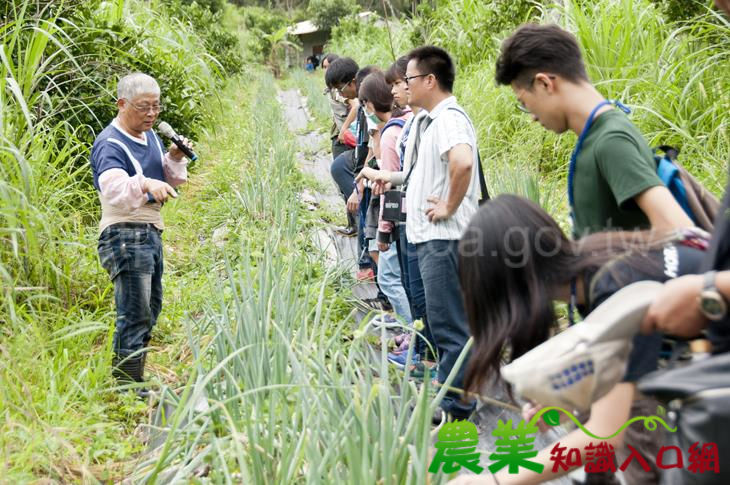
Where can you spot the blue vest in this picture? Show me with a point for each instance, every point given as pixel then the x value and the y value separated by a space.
pixel 116 149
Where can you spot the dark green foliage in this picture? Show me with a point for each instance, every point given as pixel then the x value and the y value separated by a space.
pixel 470 30
pixel 214 6
pixel 104 48
pixel 327 13
pixel 680 10
pixel 206 21
pixel 261 24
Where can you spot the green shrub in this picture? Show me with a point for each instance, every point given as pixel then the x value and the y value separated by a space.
pixel 214 6
pixel 370 44
pixel 678 10
pixel 326 14
pixel 220 43
pixel 470 29
pixel 260 24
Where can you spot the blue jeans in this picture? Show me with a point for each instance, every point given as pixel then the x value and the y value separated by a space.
pixel 342 171
pixel 338 148
pixel 343 175
pixel 438 262
pixel 413 284
pixel 365 260
pixel 132 255
pixel 389 281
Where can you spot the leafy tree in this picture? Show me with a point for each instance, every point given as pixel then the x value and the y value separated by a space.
pixel 277 45
pixel 327 13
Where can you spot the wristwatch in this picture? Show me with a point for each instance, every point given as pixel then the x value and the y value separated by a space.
pixel 712 304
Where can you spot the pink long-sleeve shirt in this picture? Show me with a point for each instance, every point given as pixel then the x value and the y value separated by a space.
pixel 389 160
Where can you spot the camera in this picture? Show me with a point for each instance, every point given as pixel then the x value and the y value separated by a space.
pixel 394 206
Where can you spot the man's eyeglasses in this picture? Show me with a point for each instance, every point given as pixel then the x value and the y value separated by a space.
pixel 520 105
pixel 407 79
pixel 522 108
pixel 343 86
pixel 155 108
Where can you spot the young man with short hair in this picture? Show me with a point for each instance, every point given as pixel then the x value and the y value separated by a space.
pixel 614 182
pixel 442 193
pixel 340 108
pixel 340 80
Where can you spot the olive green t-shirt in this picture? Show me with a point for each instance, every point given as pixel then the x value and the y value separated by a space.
pixel 614 165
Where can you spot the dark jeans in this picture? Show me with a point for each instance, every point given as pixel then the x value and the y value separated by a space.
pixel 438 262
pixel 132 255
pixel 365 260
pixel 413 284
pixel 338 148
pixel 343 175
pixel 342 172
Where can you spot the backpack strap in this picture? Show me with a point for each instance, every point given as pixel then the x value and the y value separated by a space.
pixel 669 173
pixel 392 122
pixel 480 170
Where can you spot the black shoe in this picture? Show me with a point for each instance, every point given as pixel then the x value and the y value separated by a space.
pixel 441 416
pixel 385 304
pixel 130 370
pixel 351 229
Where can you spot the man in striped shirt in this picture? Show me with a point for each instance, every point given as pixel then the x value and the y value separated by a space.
pixel 442 192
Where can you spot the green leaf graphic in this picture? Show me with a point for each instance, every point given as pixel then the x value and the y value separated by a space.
pixel 660 411
pixel 552 417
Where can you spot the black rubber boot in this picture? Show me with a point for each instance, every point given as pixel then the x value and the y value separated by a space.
pixel 130 370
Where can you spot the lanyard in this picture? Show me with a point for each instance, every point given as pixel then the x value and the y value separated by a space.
pixel 579 145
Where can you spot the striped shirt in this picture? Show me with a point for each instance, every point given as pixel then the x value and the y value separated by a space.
pixel 440 131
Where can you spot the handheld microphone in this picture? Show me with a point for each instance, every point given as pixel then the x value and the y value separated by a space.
pixel 167 130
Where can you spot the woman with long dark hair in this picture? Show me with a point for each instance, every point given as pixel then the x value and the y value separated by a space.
pixel 516 262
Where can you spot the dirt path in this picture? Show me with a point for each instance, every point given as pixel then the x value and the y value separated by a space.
pixel 342 252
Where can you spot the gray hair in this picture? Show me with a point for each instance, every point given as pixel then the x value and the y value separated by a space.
pixel 135 84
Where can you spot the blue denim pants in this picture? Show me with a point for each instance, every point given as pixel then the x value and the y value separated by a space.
pixel 390 282
pixel 413 284
pixel 338 148
pixel 342 171
pixel 343 175
pixel 438 262
pixel 132 255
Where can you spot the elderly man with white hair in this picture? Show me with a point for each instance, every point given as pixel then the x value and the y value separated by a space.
pixel 134 175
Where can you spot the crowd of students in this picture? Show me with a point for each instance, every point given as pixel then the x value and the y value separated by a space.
pixel 404 124
pixel 406 161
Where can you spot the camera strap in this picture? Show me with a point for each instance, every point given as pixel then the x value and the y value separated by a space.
pixel 423 124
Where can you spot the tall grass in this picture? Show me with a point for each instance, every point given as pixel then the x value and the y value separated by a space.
pixel 56 316
pixel 312 87
pixel 293 392
pixel 672 75
pixel 370 44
